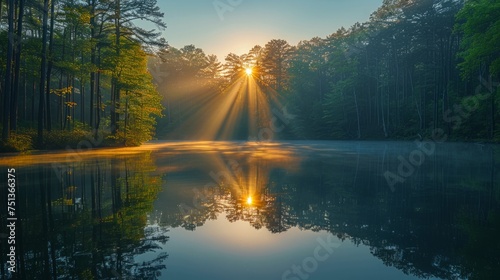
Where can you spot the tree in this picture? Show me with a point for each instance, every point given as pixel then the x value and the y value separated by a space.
pixel 479 21
pixel 276 62
pixel 125 13
pixel 344 71
pixel 8 73
pixel 43 71
pixel 254 59
pixel 17 66
pixel 308 84
pixel 212 73
pixel 234 67
pixel 67 47
pixel 141 102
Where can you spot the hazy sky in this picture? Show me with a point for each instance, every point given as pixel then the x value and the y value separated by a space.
pixel 237 25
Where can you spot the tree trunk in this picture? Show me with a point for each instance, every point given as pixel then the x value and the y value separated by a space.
pixel 382 113
pixel 93 27
pixel 60 105
pixel 98 95
pixel 126 118
pixel 33 95
pixel 82 101
pixel 14 99
pixel 49 68
pixel 8 73
pixel 357 112
pixel 115 115
pixel 493 92
pixel 25 93
pixel 43 71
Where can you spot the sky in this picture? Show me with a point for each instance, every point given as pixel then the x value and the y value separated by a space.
pixel 223 26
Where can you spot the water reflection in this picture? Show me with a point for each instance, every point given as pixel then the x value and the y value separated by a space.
pixel 96 218
pixel 87 220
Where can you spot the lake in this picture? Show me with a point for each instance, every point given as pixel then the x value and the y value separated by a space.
pixel 249 210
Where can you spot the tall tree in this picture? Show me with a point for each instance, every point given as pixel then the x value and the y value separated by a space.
pixel 17 66
pixel 276 57
pixel 50 64
pixel 479 21
pixel 43 72
pixel 234 66
pixel 125 13
pixel 8 72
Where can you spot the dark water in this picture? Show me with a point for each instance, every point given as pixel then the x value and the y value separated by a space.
pixel 237 210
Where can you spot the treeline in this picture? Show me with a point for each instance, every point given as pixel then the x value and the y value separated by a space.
pixel 414 69
pixel 189 80
pixel 73 69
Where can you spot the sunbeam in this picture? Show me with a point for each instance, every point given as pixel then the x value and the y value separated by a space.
pixel 243 111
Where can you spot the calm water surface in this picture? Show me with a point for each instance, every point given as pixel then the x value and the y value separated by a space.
pixel 238 210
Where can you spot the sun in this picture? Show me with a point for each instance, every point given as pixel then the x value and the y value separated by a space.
pixel 248 71
pixel 249 200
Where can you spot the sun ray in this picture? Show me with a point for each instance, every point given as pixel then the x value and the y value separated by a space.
pixel 245 110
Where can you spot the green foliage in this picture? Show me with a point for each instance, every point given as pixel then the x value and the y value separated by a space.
pixel 396 76
pixel 62 139
pixel 479 21
pixel 334 115
pixel 25 140
pixel 140 103
pixel 86 69
pixel 18 142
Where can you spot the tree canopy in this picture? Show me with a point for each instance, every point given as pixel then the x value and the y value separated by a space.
pixel 78 67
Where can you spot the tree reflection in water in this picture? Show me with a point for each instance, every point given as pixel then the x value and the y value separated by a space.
pixel 88 220
pixel 442 222
pixel 97 217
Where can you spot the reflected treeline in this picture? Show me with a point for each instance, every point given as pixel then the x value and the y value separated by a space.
pixel 442 221
pixel 87 220
pixel 91 219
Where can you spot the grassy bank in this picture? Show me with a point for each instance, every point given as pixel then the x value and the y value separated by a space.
pixel 26 140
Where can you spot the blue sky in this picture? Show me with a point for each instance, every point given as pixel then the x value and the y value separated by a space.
pixel 223 26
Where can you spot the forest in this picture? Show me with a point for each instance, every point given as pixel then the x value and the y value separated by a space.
pixel 74 70
pixel 415 68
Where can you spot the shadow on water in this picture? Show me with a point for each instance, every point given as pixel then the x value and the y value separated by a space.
pixel 93 218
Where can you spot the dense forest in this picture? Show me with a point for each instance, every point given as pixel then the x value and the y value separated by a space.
pixel 416 68
pixel 74 70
